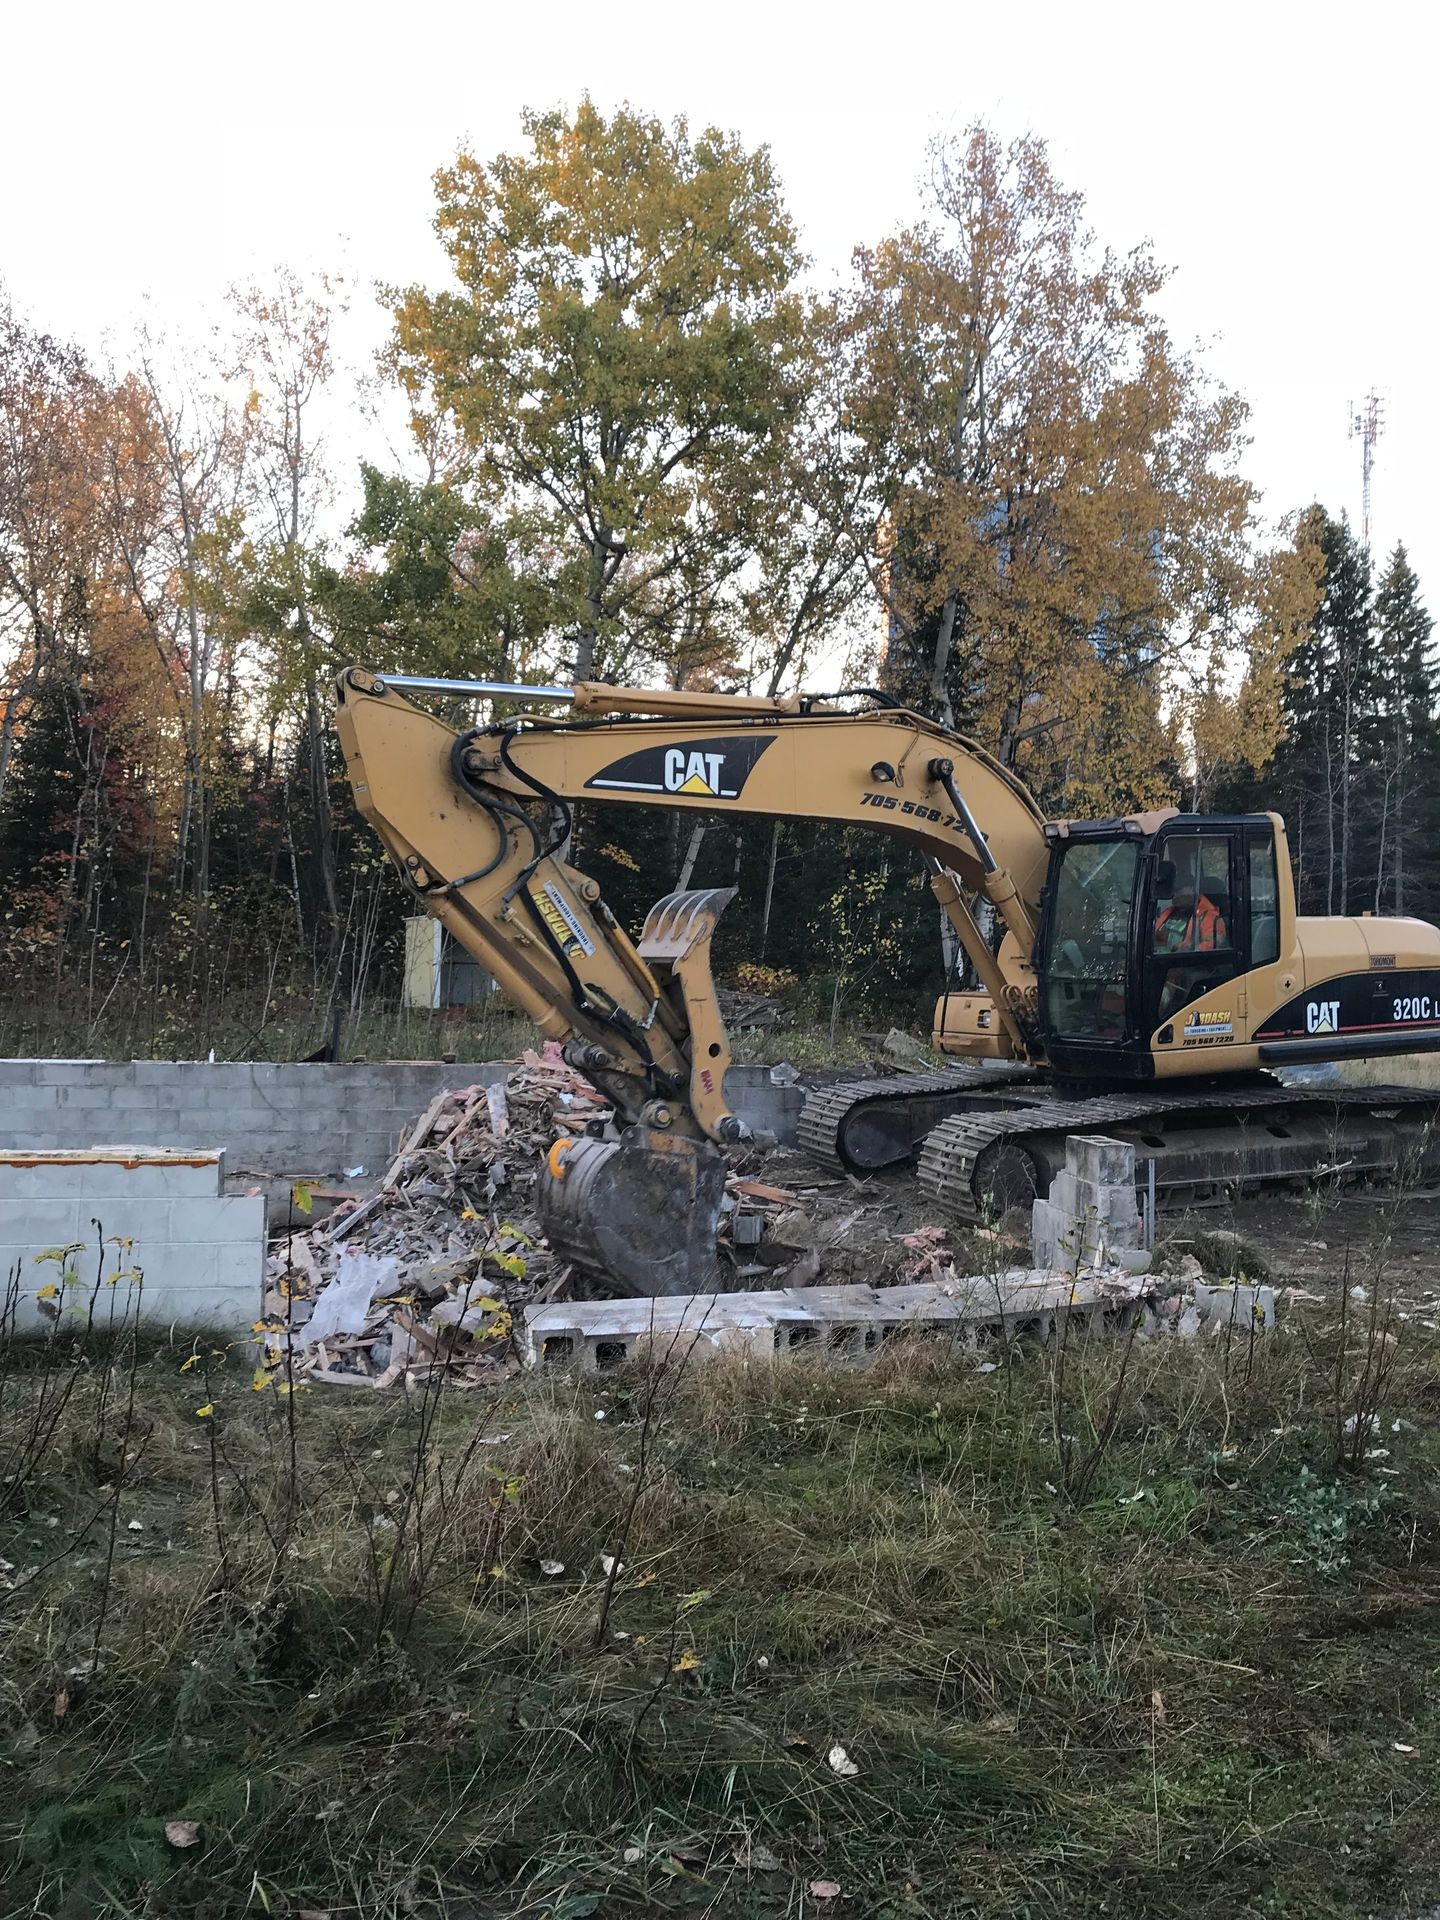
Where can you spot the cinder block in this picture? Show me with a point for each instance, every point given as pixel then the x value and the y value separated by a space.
pixel 134 1218
pixel 225 1312
pixel 1054 1238
pixel 231 1217
pixel 33 1224
pixel 1237 1306
pixel 1105 1162
pixel 240 1269
pixel 81 1099
pixel 61 1073
pixel 157 1073
pixel 109 1073
pixel 188 1266
pixel 228 1100
pixel 31 1103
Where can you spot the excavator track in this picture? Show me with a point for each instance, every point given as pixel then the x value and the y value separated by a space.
pixel 1202 1144
pixel 859 1126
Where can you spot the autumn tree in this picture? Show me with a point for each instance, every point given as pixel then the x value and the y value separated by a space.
pixel 819 507
pixel 1070 549
pixel 265 567
pixel 1234 728
pixel 49 537
pixel 616 360
pixel 434 584
pixel 171 468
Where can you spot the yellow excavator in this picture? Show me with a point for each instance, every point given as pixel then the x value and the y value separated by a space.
pixel 1139 976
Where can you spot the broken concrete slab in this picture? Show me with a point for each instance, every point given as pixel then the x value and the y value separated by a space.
pixel 848 1323
pixel 1240 1305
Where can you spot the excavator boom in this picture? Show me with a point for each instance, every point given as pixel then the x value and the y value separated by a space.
pixel 478 824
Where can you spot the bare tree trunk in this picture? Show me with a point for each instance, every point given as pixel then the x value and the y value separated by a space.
pixel 1380 848
pixel 769 887
pixel 1329 823
pixel 320 803
pixel 585 642
pixel 692 852
pixel 1400 799
pixel 1347 744
pixel 944 640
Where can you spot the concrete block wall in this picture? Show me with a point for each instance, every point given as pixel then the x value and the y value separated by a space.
pixel 314 1120
pixel 1091 1216
pixel 148 1235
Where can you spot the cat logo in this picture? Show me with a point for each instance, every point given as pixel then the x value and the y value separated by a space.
pixel 1322 1016
pixel 712 769
pixel 693 772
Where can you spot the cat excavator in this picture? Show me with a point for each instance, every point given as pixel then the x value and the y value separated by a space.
pixel 1141 976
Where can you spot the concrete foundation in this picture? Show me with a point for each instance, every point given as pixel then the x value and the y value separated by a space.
pixel 128 1233
pixel 849 1323
pixel 294 1121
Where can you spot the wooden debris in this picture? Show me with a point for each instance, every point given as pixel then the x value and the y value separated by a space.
pixel 454 1211
pixel 760 1190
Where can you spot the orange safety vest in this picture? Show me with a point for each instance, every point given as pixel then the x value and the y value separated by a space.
pixel 1203 927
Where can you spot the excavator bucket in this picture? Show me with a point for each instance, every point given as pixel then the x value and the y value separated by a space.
pixel 643 1216
pixel 643 1210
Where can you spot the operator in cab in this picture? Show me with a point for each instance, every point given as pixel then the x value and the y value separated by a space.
pixel 1189 920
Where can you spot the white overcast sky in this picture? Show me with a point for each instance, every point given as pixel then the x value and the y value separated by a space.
pixel 1281 157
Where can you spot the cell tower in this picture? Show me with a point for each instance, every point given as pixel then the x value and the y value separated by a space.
pixel 1366 424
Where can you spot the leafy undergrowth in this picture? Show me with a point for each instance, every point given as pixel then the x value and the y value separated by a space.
pixel 1106 1630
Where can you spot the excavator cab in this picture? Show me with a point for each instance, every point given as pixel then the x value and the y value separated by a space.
pixel 1144 916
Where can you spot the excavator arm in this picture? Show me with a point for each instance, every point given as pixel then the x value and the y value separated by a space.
pixel 478 824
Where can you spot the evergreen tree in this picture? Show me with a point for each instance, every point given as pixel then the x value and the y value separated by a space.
pixel 1330 703
pixel 1402 744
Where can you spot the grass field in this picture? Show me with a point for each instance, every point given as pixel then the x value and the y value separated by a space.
pixel 1117 1629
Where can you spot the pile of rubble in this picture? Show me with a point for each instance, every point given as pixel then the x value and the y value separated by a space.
pixel 441 1272
pixel 424 1275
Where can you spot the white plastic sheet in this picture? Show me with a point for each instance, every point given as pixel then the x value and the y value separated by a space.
pixel 343 1305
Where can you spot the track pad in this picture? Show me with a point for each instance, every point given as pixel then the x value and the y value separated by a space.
pixel 643 1218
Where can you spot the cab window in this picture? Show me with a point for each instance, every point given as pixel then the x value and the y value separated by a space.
pixel 1264 904
pixel 1192 937
pixel 1089 936
pixel 1192 896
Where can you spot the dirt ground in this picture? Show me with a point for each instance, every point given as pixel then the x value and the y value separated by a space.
pixel 1378 1239
pixel 1309 1242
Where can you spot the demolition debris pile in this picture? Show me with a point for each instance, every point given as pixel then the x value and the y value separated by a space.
pixel 423 1274
pixel 429 1277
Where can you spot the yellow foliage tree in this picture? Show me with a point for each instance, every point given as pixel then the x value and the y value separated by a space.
pixel 1071 555
pixel 616 363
